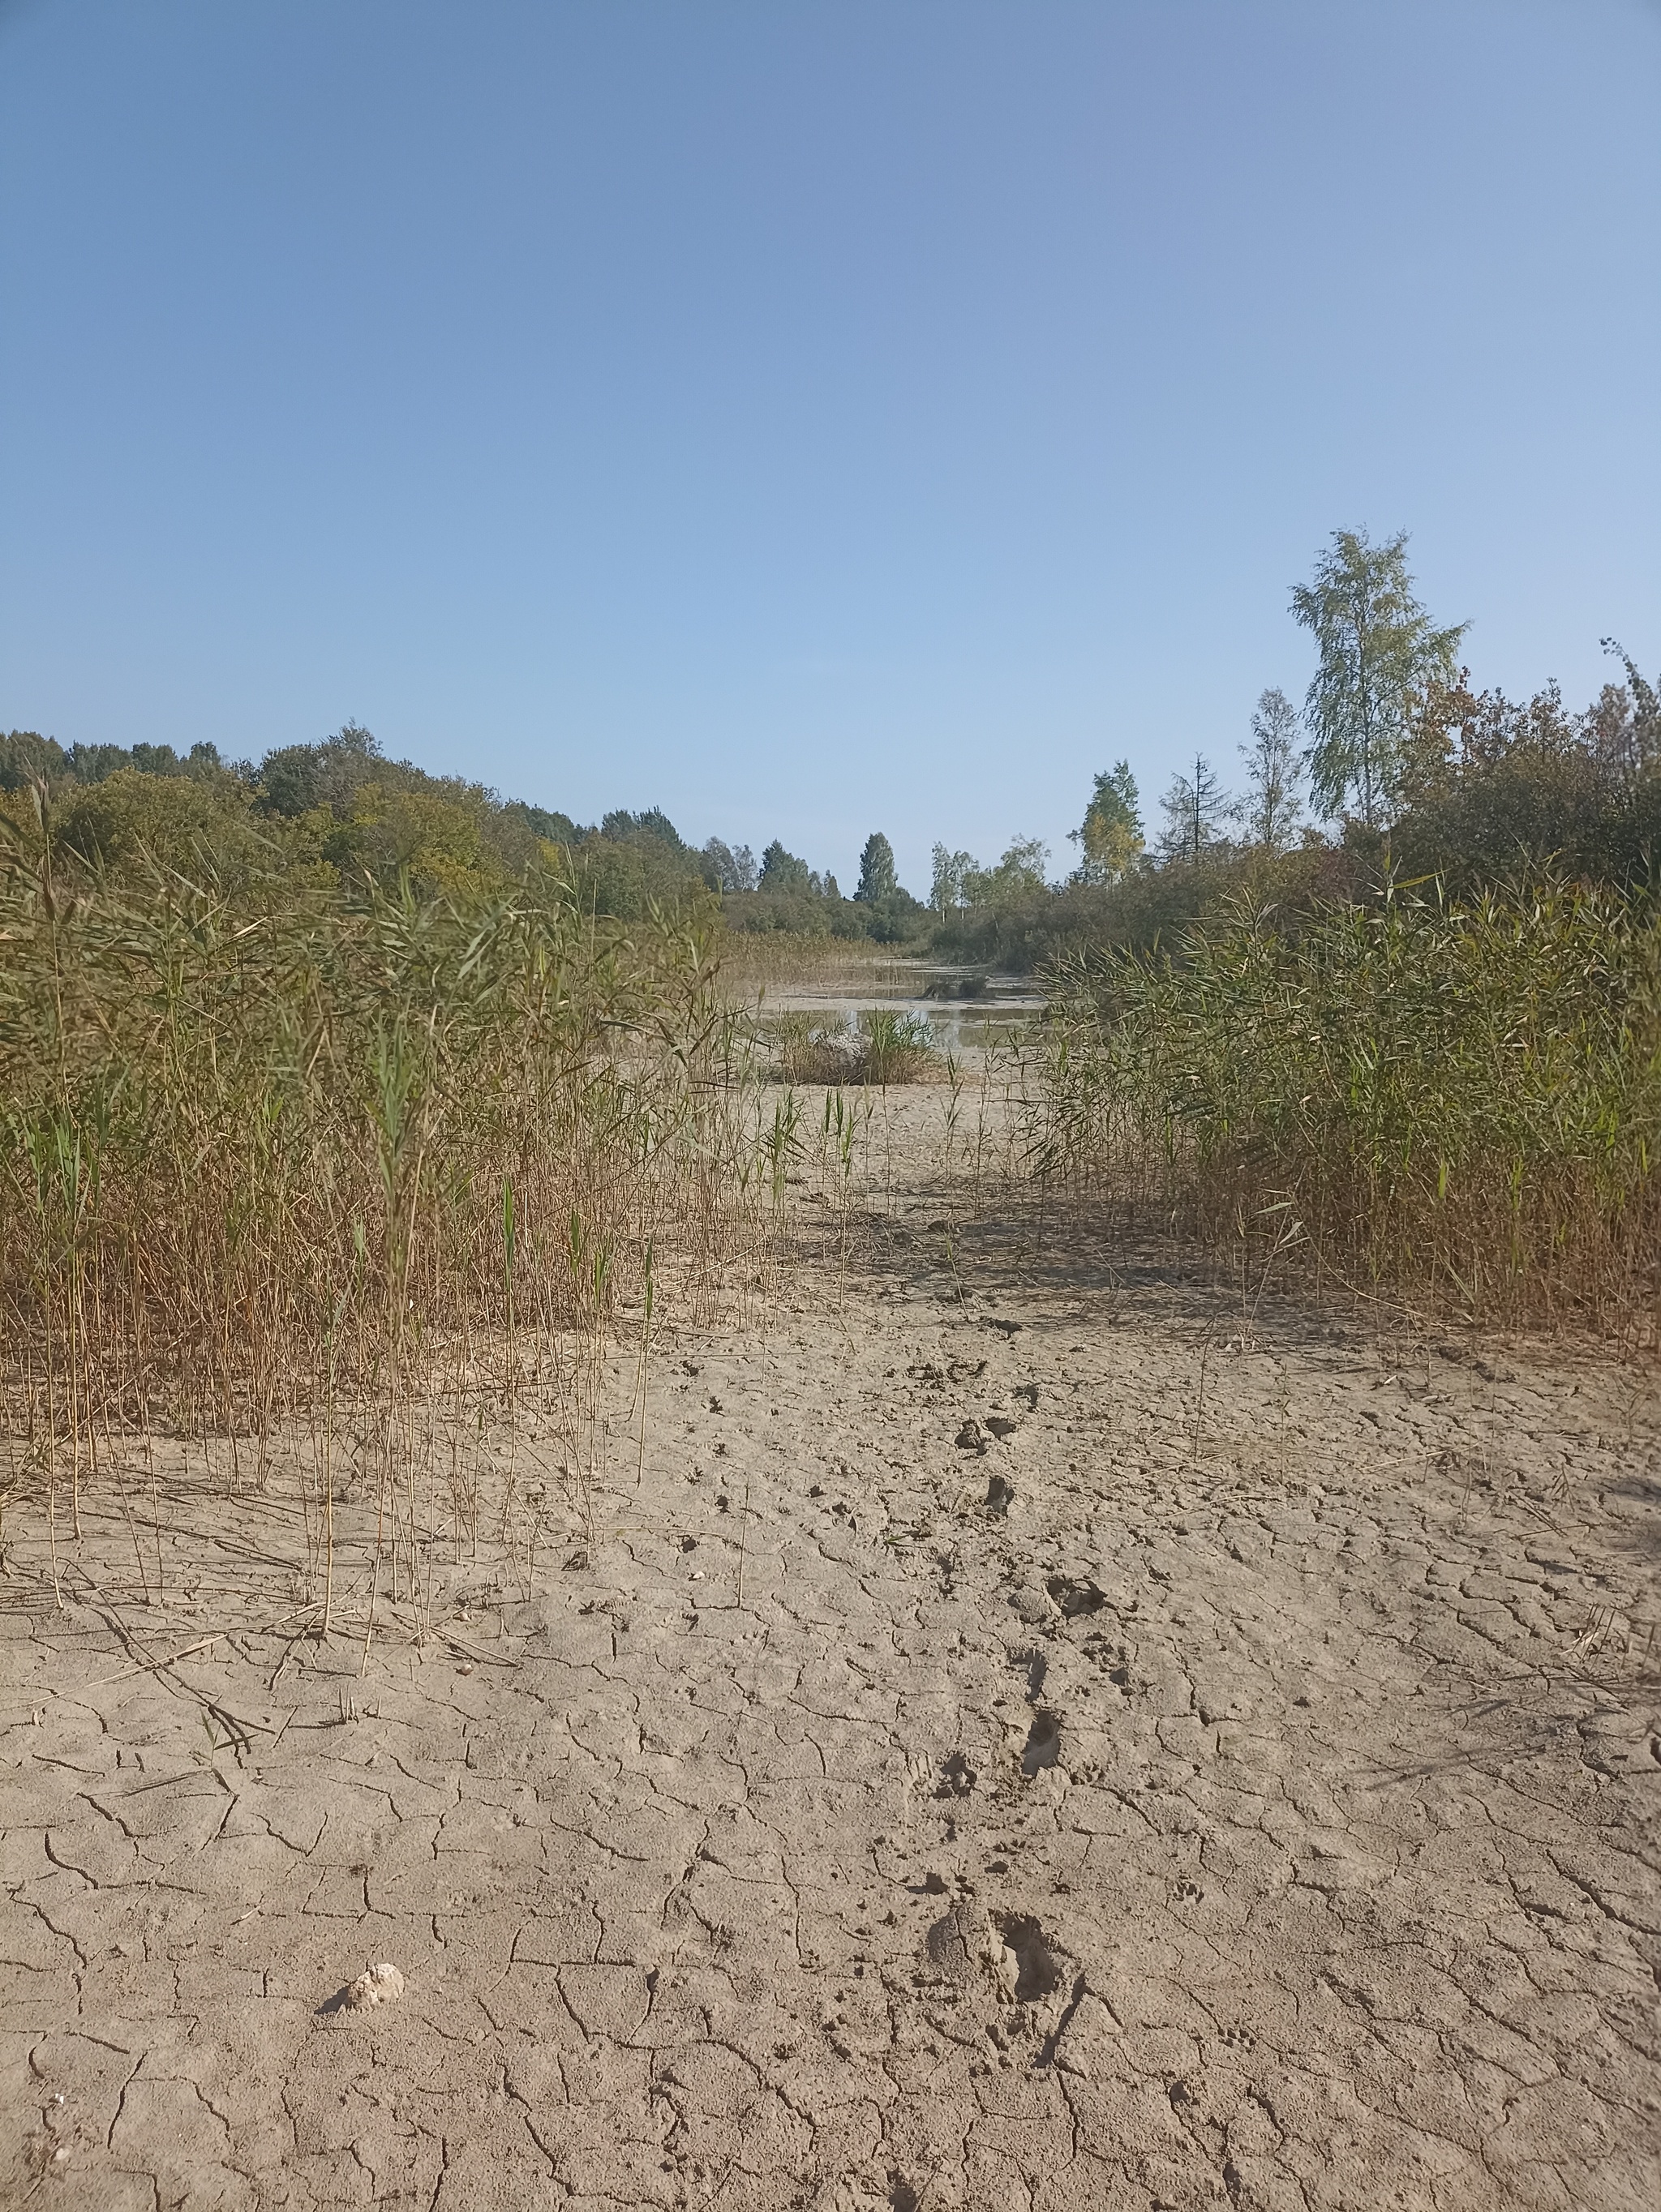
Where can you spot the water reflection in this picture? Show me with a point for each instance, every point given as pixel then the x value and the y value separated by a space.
pixel 967 1008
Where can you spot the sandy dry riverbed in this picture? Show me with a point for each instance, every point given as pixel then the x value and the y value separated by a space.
pixel 1046 1747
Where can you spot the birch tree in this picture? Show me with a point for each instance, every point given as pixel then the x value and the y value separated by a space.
pixel 1379 652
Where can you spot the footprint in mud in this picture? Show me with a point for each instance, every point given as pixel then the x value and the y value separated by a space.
pixel 1033 1604
pixel 1044 1744
pixel 1037 1965
pixel 1007 1953
pixel 863 2193
pixel 960 1944
pixel 1075 1597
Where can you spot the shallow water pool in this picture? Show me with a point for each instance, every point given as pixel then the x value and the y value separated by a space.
pixel 968 1009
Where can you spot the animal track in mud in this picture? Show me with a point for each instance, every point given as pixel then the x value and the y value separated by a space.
pixel 1114 1661
pixel 935 1377
pixel 957 1776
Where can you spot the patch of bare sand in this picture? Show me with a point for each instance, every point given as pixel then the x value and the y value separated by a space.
pixel 1255 1804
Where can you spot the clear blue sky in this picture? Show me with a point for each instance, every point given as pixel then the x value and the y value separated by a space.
pixel 804 415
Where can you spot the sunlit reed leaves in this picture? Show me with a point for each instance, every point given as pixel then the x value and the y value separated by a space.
pixel 1459 1102
pixel 263 1151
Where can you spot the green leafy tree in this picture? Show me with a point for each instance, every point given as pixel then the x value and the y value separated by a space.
pixel 1194 808
pixel 729 867
pixel 27 757
pixel 622 827
pixel 549 829
pixel 783 871
pixel 1018 874
pixel 1379 652
pixel 91 763
pixel 130 820
pixel 1110 837
pixel 438 836
pixel 948 888
pixel 294 779
pixel 1270 810
pixel 1631 735
pixel 879 877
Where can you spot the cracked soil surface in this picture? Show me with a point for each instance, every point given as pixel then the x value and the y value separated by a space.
pixel 1152 1762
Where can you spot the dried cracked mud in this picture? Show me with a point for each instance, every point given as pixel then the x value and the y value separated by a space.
pixel 1153 1763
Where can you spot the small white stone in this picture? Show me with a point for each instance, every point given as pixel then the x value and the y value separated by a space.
pixel 379 1986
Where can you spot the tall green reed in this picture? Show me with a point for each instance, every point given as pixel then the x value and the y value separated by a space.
pixel 269 1152
pixel 1457 1101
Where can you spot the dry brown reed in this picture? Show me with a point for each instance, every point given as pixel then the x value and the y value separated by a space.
pixel 761 960
pixel 380 1190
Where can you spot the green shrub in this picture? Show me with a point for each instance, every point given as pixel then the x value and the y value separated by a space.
pixel 883 1046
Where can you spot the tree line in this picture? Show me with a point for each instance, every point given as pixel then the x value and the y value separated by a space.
pixel 1393 763
pixel 1394 767
pixel 339 812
